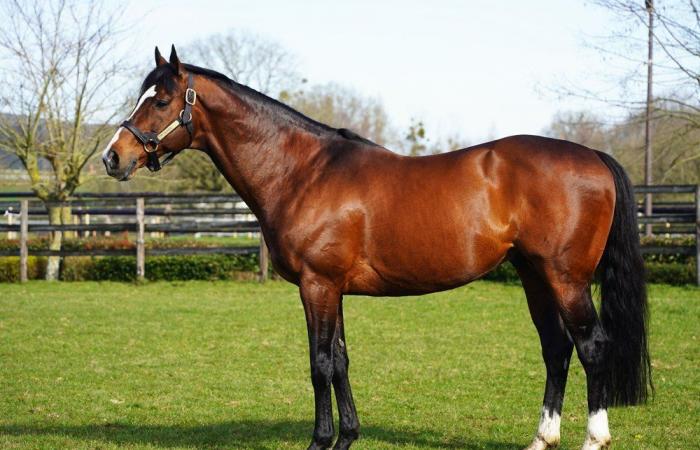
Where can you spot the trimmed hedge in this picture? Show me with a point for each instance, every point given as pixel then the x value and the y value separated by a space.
pixel 226 267
pixel 122 241
pixel 656 272
pixel 123 268
pixel 9 268
pixel 190 267
pixel 670 269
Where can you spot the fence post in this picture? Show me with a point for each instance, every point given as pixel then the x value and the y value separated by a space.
pixel 263 259
pixel 10 213
pixel 697 234
pixel 23 235
pixel 140 240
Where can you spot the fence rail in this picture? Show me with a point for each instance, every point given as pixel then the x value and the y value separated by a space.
pixel 97 213
pixel 217 213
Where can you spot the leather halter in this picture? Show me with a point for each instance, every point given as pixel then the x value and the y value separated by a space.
pixel 152 140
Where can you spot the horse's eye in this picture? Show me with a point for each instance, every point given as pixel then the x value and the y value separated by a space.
pixel 162 103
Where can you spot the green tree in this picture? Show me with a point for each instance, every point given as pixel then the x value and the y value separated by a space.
pixel 416 139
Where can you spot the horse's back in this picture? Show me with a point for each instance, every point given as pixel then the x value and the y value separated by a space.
pixel 410 225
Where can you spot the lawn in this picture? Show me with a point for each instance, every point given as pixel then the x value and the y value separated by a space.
pixel 225 365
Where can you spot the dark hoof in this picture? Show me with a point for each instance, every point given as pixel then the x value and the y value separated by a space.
pixel 346 439
pixel 343 443
pixel 321 443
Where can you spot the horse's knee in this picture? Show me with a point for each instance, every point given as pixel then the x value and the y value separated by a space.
pixel 321 370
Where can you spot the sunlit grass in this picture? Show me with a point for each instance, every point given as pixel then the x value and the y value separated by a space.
pixel 225 365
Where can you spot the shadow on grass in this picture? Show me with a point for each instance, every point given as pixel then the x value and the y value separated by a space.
pixel 254 434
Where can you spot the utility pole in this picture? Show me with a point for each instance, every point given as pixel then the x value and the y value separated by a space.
pixel 648 208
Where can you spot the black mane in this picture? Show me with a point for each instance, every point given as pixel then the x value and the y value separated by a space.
pixel 165 75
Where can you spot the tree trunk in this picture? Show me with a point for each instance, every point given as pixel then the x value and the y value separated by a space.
pixel 67 219
pixel 56 237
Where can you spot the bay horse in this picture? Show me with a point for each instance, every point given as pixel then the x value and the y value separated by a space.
pixel 342 215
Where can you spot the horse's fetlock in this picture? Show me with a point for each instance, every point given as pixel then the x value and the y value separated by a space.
pixel 323 439
pixel 350 431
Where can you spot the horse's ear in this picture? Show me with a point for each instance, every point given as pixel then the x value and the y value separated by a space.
pixel 159 58
pixel 174 60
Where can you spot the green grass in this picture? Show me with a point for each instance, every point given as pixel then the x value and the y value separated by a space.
pixel 225 365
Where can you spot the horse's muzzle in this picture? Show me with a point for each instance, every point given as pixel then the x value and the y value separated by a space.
pixel 113 166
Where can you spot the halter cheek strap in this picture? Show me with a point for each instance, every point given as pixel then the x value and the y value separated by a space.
pixel 152 140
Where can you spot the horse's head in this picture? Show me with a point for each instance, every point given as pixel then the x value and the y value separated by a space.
pixel 160 124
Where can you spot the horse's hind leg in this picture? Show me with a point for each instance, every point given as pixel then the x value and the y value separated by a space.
pixel 575 307
pixel 556 352
pixel 591 343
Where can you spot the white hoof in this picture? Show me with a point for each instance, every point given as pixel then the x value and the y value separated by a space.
pixel 547 432
pixel 540 444
pixel 592 443
pixel 598 436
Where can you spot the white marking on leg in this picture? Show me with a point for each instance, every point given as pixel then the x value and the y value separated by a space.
pixel 548 431
pixel 150 92
pixel 550 423
pixel 598 435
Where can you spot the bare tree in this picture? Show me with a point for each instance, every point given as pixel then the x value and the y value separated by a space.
pixel 262 64
pixel 249 59
pixel 580 127
pixel 676 34
pixel 341 107
pixel 59 95
pixel 675 143
pixel 674 122
pixel 269 68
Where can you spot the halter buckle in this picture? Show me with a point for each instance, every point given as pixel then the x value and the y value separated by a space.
pixel 150 146
pixel 190 96
pixel 184 120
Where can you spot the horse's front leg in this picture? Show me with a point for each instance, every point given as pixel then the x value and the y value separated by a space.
pixel 349 423
pixel 321 302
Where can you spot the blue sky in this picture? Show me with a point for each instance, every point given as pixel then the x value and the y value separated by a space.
pixel 479 69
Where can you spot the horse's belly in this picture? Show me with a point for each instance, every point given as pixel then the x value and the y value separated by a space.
pixel 425 265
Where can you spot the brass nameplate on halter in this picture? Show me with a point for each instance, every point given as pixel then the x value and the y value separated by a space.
pixel 169 129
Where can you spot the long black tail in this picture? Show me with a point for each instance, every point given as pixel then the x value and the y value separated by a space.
pixel 624 313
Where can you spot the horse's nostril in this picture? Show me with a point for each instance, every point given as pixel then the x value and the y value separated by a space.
pixel 111 160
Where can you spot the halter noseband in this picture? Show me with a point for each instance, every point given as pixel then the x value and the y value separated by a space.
pixel 151 140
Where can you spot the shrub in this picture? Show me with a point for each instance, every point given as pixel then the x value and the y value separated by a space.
pixel 9 268
pixel 671 269
pixel 204 267
pixel 670 273
pixel 112 268
pixel 76 268
pixel 504 272
pixel 656 272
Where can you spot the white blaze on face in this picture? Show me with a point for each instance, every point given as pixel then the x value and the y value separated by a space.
pixel 598 436
pixel 150 92
pixel 111 142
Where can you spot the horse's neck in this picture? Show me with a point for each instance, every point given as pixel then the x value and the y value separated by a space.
pixel 265 160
